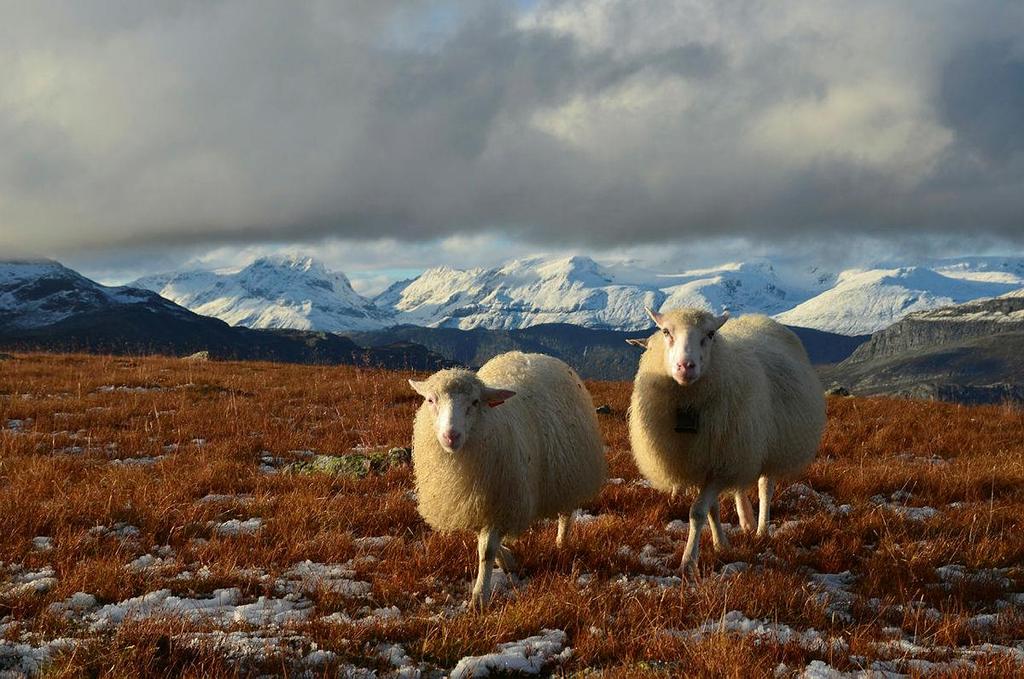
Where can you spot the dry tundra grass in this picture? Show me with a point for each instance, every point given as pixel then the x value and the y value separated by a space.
pixel 914 508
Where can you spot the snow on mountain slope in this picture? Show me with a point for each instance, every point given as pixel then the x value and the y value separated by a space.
pixel 578 290
pixel 34 294
pixel 740 288
pixel 522 293
pixel 298 292
pixel 990 269
pixel 863 302
pixel 272 292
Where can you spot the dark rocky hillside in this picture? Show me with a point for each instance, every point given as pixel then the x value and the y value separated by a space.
pixel 595 354
pixel 971 353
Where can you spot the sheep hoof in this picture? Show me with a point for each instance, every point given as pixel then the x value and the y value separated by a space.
pixel 505 560
pixel 478 602
pixel 688 570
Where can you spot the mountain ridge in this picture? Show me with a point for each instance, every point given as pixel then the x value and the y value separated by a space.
pixel 45 305
pixel 300 292
pixel 971 352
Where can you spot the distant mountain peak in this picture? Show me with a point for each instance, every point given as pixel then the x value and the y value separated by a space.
pixel 38 292
pixel 287 291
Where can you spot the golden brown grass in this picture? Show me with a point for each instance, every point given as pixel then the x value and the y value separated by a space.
pixel 211 423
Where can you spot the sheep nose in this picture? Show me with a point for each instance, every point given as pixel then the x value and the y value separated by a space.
pixel 686 365
pixel 452 437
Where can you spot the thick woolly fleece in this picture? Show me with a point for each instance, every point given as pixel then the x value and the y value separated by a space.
pixel 537 455
pixel 761 405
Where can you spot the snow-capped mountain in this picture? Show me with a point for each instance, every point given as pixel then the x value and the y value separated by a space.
pixel 522 293
pixel 863 302
pixel 284 291
pixel 34 294
pixel 749 287
pixel 580 291
pixel 301 293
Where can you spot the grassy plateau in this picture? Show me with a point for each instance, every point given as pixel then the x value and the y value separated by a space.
pixel 160 517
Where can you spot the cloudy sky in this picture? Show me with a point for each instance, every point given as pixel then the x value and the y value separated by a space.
pixel 389 134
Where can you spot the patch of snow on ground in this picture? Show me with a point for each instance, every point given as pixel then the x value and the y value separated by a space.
pixel 528 656
pixel 376 542
pixel 835 594
pixel 983 621
pixel 213 498
pixel 223 607
pixel 818 669
pixel 396 656
pixel 42 543
pixel 122 530
pixel 269 464
pixel 736 622
pixel 238 527
pixel 253 647
pixel 75 605
pixel 798 492
pixel 23 659
pixel 121 388
pixel 897 505
pixel 366 616
pixel 147 562
pixel 734 568
pixel 660 581
pixel 28 582
pixel 953 573
pixel 309 576
pixel 915 513
pixel 144 461
pixel 18 426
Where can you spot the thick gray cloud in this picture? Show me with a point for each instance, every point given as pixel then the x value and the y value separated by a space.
pixel 579 123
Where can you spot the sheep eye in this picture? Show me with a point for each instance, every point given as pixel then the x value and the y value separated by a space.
pixel 711 334
pixel 666 333
pixel 430 399
pixel 476 402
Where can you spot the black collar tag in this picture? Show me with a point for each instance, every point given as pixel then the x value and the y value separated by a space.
pixel 687 420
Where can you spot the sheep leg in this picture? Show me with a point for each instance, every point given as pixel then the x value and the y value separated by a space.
pixel 488 543
pixel 505 559
pixel 564 526
pixel 744 511
pixel 698 517
pixel 718 536
pixel 765 488
pixel 675 493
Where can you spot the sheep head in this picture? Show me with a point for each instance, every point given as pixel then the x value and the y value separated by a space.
pixel 455 400
pixel 687 337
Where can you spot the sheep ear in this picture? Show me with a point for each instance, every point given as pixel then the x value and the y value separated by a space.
pixel 655 316
pixel 495 397
pixel 419 387
pixel 641 342
pixel 720 320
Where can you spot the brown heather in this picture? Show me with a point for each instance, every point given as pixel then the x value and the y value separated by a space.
pixel 244 410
